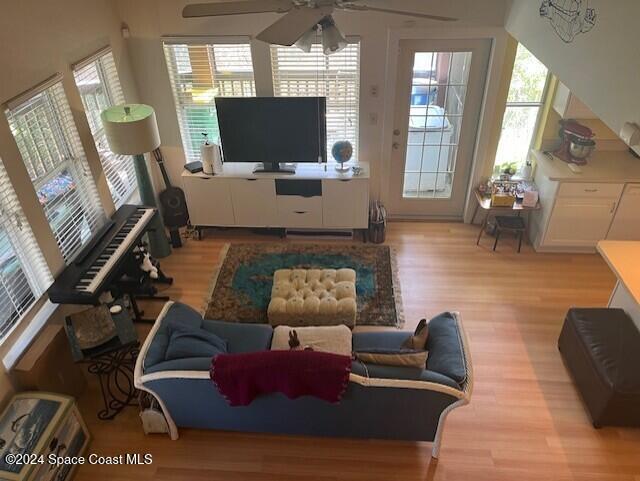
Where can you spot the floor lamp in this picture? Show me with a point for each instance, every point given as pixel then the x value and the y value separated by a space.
pixel 131 129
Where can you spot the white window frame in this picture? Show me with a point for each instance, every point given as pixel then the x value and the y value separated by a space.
pixel 18 294
pixel 263 79
pixel 83 205
pixel 118 169
pixel 175 68
pixel 323 87
pixel 539 105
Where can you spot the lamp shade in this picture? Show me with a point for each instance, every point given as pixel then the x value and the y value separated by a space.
pixel 131 129
pixel 332 40
pixel 305 42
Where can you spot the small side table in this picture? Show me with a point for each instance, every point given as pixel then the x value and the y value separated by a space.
pixel 484 203
pixel 113 363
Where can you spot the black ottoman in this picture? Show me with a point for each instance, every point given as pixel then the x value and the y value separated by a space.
pixel 601 349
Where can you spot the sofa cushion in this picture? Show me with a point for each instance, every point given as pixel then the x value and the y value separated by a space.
pixel 241 337
pixel 378 371
pixel 446 354
pixel 185 364
pixel 189 342
pixel 334 339
pixel 386 339
pixel 394 357
pixel 179 314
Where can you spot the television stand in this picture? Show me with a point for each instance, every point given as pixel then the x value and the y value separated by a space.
pixel 268 167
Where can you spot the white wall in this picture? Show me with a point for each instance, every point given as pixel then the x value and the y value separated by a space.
pixel 38 39
pixel 602 66
pixel 150 19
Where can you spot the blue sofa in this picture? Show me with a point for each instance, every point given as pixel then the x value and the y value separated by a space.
pixel 380 402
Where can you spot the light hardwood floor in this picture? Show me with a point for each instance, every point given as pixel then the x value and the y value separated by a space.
pixel 525 420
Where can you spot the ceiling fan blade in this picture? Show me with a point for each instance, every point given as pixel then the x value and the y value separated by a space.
pixel 236 8
pixel 288 29
pixel 364 8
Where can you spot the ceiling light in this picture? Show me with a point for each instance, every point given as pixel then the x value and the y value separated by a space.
pixel 305 42
pixel 332 40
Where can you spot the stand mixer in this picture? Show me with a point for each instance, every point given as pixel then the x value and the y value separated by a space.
pixel 577 142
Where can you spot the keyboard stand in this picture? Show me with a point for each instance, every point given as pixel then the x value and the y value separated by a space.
pixel 146 291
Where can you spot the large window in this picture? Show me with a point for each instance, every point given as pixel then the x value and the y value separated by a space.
pixel 50 147
pixel 524 102
pixel 199 73
pixel 337 77
pixel 99 87
pixel 24 276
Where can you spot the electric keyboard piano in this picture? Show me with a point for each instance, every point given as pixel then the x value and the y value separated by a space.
pixel 98 264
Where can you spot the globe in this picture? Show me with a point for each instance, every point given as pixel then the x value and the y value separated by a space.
pixel 342 151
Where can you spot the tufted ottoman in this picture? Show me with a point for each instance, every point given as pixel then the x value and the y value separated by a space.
pixel 313 297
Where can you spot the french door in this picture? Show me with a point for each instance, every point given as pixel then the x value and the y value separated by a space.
pixel 440 89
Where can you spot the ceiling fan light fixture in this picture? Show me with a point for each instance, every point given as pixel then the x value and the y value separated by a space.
pixel 305 42
pixel 332 39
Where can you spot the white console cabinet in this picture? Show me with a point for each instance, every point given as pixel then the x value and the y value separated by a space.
pixel 315 197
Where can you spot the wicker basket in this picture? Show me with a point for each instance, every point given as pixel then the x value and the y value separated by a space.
pixel 503 193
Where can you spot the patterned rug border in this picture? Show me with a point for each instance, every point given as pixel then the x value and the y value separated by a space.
pixel 395 277
pixel 214 277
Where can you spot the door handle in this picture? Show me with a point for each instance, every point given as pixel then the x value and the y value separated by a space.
pixel 396 131
pixel 395 145
pixel 591 190
pixel 300 212
pixel 250 180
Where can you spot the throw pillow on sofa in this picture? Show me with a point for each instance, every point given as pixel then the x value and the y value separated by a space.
pixel 419 338
pixel 394 357
pixel 335 339
pixel 188 341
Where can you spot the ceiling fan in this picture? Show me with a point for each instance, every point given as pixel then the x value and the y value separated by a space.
pixel 302 21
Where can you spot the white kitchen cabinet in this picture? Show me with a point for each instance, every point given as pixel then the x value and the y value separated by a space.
pixel 345 203
pixel 579 221
pixel 626 223
pixel 214 206
pixel 254 202
pixel 569 106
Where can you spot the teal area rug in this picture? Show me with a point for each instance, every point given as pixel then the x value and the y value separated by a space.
pixel 241 286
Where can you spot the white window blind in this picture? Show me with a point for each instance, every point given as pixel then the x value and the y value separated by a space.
pixel 99 87
pixel 313 74
pixel 199 73
pixel 24 275
pixel 52 153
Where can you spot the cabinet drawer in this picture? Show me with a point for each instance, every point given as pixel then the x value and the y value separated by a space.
pixel 297 211
pixel 580 189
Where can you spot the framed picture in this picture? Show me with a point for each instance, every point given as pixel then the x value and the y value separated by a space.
pixel 25 427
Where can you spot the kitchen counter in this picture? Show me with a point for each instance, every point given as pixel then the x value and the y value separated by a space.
pixel 623 257
pixel 603 166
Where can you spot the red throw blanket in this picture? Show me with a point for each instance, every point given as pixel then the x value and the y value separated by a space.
pixel 242 377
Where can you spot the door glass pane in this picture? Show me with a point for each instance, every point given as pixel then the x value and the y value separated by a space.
pixel 436 107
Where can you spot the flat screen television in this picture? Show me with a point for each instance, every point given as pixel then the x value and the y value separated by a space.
pixel 273 130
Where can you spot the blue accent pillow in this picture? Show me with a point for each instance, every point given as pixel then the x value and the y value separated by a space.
pixel 444 344
pixel 187 342
pixel 177 315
